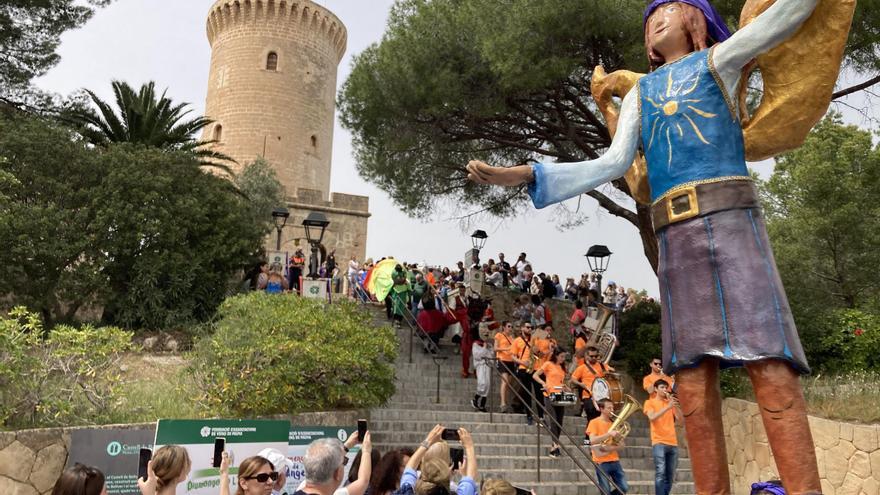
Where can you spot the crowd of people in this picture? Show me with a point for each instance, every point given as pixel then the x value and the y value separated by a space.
pixel 430 468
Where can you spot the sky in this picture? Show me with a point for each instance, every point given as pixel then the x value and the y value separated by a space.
pixel 164 41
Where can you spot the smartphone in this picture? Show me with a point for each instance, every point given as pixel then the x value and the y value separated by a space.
pixel 457 455
pixel 450 434
pixel 146 455
pixel 219 447
pixel 522 491
pixel 362 429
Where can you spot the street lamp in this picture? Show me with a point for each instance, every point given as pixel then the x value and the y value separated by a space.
pixel 478 240
pixel 598 257
pixel 315 224
pixel 280 216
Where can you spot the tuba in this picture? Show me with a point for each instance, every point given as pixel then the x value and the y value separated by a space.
pixel 630 406
pixel 602 334
pixel 606 343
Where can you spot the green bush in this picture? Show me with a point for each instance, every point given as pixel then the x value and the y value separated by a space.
pixel 68 377
pixel 639 338
pixel 851 341
pixel 274 354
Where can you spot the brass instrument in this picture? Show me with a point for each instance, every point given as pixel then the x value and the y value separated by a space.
pixel 602 336
pixel 620 425
pixel 599 324
pixel 606 343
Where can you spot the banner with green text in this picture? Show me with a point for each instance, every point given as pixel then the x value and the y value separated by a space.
pixel 244 438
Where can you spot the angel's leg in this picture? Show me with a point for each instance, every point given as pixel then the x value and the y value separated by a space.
pixel 784 413
pixel 700 396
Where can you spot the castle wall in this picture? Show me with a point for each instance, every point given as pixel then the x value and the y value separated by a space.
pixel 347 232
pixel 285 115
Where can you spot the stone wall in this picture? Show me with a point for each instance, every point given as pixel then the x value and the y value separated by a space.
pixel 347 233
pixel 848 454
pixel 31 460
pixel 560 310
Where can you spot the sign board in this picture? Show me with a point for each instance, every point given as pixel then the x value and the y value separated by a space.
pixel 115 452
pixel 299 440
pixel 476 278
pixel 316 289
pixel 244 438
pixel 277 257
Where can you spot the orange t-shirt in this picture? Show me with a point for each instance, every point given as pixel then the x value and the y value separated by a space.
pixel 662 428
pixel 599 426
pixel 583 374
pixel 502 340
pixel 521 351
pixel 652 378
pixel 554 377
pixel 430 279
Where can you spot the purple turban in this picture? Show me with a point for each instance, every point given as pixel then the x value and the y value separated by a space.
pixel 718 30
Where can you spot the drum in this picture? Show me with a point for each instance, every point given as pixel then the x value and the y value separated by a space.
pixel 563 398
pixel 608 387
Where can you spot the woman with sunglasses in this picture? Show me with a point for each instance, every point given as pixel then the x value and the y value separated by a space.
pixel 256 476
pixel 80 480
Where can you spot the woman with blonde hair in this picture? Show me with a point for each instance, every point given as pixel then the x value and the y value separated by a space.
pixel 169 467
pixel 498 486
pixel 435 472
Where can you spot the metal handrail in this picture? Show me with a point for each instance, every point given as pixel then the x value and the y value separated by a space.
pixel 548 414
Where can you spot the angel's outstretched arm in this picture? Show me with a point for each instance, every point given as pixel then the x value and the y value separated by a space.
pixel 770 28
pixel 557 182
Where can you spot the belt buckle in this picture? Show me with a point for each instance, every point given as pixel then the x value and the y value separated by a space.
pixel 682 204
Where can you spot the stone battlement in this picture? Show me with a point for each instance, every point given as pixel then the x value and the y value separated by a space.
pixel 339 202
pixel 303 14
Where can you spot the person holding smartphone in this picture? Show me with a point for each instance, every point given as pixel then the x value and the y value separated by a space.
pixel 435 473
pixel 168 468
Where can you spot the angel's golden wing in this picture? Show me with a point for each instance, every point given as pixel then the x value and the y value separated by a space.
pixel 799 77
pixel 603 87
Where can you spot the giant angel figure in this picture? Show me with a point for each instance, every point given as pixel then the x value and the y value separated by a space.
pixel 722 299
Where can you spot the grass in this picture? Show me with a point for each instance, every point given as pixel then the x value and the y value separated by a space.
pixel 853 396
pixel 156 386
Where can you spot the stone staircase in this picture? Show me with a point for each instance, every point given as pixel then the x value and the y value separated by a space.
pixel 506 447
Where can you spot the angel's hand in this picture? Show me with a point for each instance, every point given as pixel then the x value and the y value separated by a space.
pixel 483 173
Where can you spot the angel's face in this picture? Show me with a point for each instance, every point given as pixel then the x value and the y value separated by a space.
pixel 667 33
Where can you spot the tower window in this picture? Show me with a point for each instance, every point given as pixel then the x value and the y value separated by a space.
pixel 218 133
pixel 272 61
pixel 314 141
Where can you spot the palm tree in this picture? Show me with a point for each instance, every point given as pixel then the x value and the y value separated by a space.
pixel 146 119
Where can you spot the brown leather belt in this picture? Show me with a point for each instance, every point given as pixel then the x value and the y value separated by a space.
pixel 701 199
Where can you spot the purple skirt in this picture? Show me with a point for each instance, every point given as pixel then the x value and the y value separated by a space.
pixel 721 294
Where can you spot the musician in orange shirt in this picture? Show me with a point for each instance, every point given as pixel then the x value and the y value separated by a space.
pixel 663 411
pixel 553 372
pixel 606 457
pixel 656 374
pixel 522 356
pixel 505 363
pixel 583 377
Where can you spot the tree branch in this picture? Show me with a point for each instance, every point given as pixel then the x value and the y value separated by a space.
pixel 614 208
pixel 858 87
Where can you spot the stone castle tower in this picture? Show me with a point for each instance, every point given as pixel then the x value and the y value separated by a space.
pixel 271 93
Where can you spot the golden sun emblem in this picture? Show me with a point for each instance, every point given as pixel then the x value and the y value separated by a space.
pixel 673 110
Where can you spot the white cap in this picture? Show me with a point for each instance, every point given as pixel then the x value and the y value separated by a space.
pixel 277 459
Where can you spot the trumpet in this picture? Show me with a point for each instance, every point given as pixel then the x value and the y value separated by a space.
pixel 620 425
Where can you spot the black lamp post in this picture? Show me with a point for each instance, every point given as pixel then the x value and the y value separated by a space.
pixel 598 257
pixel 280 216
pixel 315 224
pixel 478 240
